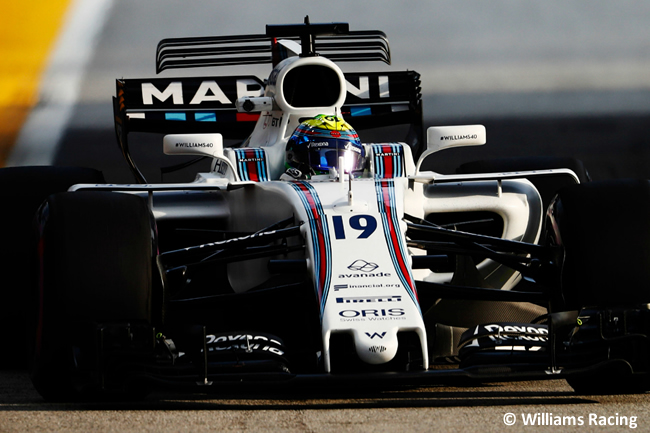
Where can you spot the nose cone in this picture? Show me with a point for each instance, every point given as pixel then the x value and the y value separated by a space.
pixel 376 346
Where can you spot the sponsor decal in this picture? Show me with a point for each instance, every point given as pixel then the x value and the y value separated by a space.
pixel 222 91
pixel 366 299
pixel 251 164
pixel 363 89
pixel 362 286
pixel 209 339
pixel 190 145
pixel 506 332
pixel 294 172
pixel 458 137
pixel 388 160
pixel 377 349
pixel 507 337
pixel 363 266
pixel 378 274
pixel 254 235
pixel 208 91
pixel 366 269
pixel 247 342
pixel 376 334
pixel 173 90
pixel 372 315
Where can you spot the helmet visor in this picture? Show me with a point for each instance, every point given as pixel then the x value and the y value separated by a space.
pixel 324 158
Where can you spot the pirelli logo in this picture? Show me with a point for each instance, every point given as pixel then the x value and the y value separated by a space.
pixel 368 299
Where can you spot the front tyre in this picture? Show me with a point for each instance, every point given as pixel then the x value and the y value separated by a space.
pixel 94 266
pixel 604 231
pixel 22 190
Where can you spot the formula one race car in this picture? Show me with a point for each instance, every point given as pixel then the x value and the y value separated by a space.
pixel 305 255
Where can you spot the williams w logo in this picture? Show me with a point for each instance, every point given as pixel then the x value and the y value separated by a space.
pixel 375 334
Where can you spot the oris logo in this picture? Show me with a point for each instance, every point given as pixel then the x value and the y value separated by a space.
pixel 372 312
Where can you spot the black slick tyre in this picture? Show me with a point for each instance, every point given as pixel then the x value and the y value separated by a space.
pixel 604 231
pixel 95 266
pixel 22 190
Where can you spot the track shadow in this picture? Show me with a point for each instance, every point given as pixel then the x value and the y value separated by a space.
pixel 17 394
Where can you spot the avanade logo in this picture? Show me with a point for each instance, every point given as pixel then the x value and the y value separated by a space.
pixel 363 266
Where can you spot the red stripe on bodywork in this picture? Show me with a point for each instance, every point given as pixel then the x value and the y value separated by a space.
pixel 245 117
pixel 251 166
pixel 393 236
pixel 388 161
pixel 322 276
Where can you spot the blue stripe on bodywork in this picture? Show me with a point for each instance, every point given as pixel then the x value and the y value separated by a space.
pixel 360 111
pixel 205 117
pixel 319 230
pixel 393 234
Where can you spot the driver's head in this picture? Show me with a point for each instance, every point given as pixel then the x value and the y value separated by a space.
pixel 317 144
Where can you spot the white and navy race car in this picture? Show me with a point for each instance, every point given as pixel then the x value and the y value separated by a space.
pixel 308 255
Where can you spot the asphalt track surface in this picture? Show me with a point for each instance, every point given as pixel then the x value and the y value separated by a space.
pixel 481 409
pixel 604 125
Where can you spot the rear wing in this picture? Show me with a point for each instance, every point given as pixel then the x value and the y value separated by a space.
pixel 332 40
pixel 208 105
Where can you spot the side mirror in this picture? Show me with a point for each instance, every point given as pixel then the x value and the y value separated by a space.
pixel 445 137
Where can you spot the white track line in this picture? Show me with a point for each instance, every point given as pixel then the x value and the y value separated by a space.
pixel 39 137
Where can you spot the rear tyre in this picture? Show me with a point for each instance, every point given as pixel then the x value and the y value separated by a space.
pixel 95 265
pixel 22 190
pixel 604 230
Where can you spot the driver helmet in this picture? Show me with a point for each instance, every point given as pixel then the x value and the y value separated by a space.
pixel 317 144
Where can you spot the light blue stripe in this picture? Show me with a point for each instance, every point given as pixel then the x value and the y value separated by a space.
pixel 205 117
pixel 360 111
pixel 175 116
pixel 241 166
